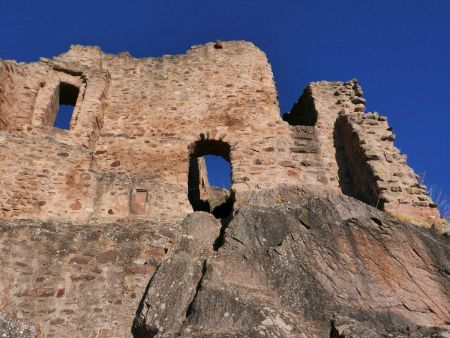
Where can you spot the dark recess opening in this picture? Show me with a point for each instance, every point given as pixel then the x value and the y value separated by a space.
pixel 354 172
pixel 68 95
pixel 303 113
pixel 209 178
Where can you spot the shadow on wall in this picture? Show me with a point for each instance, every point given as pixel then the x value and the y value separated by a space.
pixel 202 196
pixel 343 163
pixel 356 178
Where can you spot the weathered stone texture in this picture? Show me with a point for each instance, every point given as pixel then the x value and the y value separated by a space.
pixel 376 164
pixel 19 87
pixel 139 116
pixel 139 119
pixel 355 152
pixel 163 313
pixel 44 178
pixel 88 213
pixel 78 280
pixel 297 265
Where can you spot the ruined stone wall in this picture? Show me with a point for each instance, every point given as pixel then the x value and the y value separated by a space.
pixel 44 178
pixel 77 279
pixel 321 104
pixel 139 117
pixel 112 189
pixel 172 102
pixel 355 152
pixel 19 86
pixel 377 165
pixel 120 173
pixel 87 118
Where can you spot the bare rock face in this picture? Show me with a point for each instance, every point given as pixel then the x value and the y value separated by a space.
pixel 169 295
pixel 295 265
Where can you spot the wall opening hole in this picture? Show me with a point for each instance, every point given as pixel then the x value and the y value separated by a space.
pixel 209 179
pixel 219 171
pixel 303 112
pixel 68 95
pixel 302 121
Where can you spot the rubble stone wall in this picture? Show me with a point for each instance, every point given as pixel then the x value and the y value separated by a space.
pixel 321 104
pixel 139 117
pixel 19 86
pixel 41 178
pixel 78 279
pixel 380 167
pixel 356 152
pixel 104 197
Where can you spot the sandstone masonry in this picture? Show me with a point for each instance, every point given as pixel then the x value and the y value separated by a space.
pixel 130 167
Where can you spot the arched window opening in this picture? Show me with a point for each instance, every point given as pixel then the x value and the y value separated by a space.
pixel 209 179
pixel 68 95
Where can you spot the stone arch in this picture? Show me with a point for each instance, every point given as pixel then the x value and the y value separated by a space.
pixel 203 196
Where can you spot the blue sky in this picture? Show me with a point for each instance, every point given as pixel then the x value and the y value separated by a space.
pixel 399 50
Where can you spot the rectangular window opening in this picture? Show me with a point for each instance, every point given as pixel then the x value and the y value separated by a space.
pixel 209 178
pixel 68 95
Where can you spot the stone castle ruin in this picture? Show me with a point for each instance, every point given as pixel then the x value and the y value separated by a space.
pixel 88 212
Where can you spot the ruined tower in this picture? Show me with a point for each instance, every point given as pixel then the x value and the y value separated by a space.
pixel 90 211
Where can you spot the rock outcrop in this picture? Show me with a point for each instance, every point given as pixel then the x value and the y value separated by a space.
pixel 173 287
pixel 293 264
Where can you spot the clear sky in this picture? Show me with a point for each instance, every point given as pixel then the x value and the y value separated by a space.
pixel 399 50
